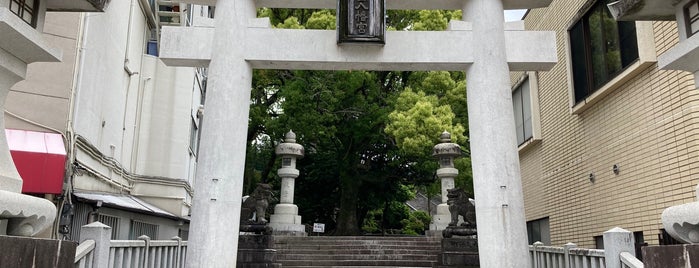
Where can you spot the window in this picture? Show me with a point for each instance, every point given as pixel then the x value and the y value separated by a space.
pixel 525 103
pixel 665 239
pixel 691 15
pixel 521 101
pixel 184 234
pixel 600 48
pixel 152 43
pixel 26 9
pixel 139 228
pixel 538 231
pixel 638 243
pixel 110 221
pixel 599 242
pixel 194 137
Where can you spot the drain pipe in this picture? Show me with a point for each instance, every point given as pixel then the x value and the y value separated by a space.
pixel 72 111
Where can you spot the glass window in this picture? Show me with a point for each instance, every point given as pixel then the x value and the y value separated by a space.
pixel 691 14
pixel 539 231
pixel 600 48
pixel 599 242
pixel 25 9
pixel 521 102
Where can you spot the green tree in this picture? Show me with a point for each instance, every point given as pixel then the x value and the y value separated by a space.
pixel 355 169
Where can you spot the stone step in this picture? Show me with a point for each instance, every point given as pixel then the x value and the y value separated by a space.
pixel 360 242
pixel 387 257
pixel 355 267
pixel 363 263
pixel 331 251
pixel 350 239
pixel 355 247
pixel 357 251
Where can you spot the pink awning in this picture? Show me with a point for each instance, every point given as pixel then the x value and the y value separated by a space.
pixel 40 160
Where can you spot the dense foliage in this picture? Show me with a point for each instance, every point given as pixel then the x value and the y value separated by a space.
pixel 368 135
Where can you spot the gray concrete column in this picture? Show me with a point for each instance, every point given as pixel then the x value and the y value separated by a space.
pixel 616 241
pixel 502 234
pixel 219 179
pixel 9 177
pixel 101 234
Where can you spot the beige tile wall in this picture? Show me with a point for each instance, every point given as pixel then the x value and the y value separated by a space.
pixel 649 127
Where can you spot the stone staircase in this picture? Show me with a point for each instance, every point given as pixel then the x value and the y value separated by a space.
pixel 356 251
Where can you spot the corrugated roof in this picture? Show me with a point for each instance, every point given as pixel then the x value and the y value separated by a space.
pixel 128 202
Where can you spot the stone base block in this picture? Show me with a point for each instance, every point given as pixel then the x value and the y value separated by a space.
pixel 459 259
pixel 288 229
pixel 460 245
pixel 256 251
pixel 256 242
pixel 680 256
pixel 24 252
pixel 459 252
pixel 285 219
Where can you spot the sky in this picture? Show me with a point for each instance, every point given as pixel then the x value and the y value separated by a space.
pixel 511 15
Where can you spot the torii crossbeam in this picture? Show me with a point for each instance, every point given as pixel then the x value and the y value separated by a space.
pixel 480 45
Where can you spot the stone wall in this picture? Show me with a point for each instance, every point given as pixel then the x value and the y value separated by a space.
pixel 21 252
pixel 647 126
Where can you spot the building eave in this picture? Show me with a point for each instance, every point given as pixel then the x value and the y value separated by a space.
pixel 76 5
pixel 634 10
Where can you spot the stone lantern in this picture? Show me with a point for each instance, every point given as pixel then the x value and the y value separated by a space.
pixel 445 152
pixel 285 220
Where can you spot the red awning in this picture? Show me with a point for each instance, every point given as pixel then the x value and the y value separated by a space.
pixel 40 160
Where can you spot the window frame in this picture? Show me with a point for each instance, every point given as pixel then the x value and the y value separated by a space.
pixel 22 8
pixel 194 137
pixel 688 20
pixel 582 50
pixel 540 224
pixel 533 80
pixel 647 56
pixel 138 228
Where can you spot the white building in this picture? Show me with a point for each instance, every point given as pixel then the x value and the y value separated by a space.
pixel 129 123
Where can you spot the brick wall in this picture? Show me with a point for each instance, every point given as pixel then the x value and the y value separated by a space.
pixel 648 127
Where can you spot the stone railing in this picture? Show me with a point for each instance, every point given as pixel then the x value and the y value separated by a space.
pixel 567 256
pixel 629 261
pixel 96 250
pixel 618 254
pixel 83 254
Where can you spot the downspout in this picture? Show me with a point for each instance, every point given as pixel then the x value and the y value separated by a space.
pixel 72 111
pixel 130 73
pixel 128 42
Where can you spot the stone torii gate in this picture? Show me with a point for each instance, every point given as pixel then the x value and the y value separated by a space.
pixel 480 45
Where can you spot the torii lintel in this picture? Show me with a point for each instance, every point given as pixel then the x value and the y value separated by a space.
pixel 390 4
pixel 268 48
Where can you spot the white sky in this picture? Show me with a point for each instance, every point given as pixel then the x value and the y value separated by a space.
pixel 512 15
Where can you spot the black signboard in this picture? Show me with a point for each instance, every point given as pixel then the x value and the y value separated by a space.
pixel 361 21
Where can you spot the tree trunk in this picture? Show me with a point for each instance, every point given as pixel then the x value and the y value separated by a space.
pixel 347 223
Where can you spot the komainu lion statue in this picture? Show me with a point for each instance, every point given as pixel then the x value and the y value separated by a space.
pixel 256 205
pixel 460 205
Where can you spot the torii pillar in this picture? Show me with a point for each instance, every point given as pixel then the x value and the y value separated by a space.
pixel 502 230
pixel 484 48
